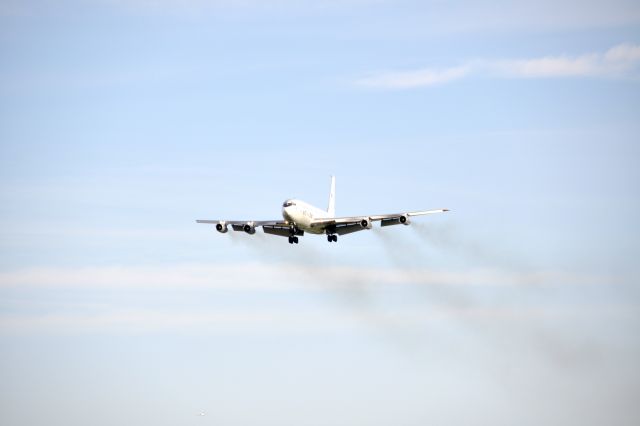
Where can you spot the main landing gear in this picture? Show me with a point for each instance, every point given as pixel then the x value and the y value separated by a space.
pixel 293 239
pixel 333 238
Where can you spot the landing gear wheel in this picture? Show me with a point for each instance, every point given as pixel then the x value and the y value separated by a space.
pixel 295 240
pixel 329 238
pixel 335 238
pixel 290 240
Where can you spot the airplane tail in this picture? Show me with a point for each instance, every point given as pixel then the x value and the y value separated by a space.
pixel 332 198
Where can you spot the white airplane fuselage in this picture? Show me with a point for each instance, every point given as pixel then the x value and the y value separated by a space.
pixel 301 214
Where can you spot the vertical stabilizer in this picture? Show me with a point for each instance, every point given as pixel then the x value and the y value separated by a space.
pixel 332 198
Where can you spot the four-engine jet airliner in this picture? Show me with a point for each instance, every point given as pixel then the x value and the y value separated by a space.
pixel 300 217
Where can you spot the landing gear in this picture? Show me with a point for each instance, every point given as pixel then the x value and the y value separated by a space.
pixel 293 231
pixel 333 238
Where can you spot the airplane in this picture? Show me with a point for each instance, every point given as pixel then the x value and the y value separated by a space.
pixel 300 217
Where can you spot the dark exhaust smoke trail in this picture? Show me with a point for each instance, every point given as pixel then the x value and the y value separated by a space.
pixel 351 289
pixel 412 260
pixel 317 267
pixel 510 330
pixel 554 346
pixel 557 345
pixel 450 239
pixel 401 251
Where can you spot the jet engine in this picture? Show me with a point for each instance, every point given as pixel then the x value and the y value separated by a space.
pixel 401 220
pixel 249 229
pixel 221 227
pixel 365 223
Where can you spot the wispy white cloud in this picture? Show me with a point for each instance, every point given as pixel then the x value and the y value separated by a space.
pixel 239 277
pixel 421 16
pixel 256 276
pixel 233 321
pixel 229 321
pixel 618 62
pixel 416 78
pixel 354 286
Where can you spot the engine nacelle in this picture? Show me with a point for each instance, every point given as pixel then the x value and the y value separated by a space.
pixel 365 223
pixel 401 220
pixel 249 229
pixel 222 227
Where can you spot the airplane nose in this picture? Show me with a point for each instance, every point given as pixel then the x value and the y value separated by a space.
pixel 285 213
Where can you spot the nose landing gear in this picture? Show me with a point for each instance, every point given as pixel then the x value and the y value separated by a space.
pixel 332 237
pixel 293 239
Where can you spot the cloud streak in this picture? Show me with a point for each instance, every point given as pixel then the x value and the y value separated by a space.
pixel 228 321
pixel 232 321
pixel 254 276
pixel 367 284
pixel 621 61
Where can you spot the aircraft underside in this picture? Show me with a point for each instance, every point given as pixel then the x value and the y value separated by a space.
pixel 300 217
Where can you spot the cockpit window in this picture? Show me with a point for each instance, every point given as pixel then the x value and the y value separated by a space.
pixel 288 203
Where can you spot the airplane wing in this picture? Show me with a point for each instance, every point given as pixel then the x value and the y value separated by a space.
pixel 346 225
pixel 408 214
pixel 276 227
pixel 244 222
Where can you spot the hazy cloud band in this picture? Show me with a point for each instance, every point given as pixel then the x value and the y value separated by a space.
pixel 621 61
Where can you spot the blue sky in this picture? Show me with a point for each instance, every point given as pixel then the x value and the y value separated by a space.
pixel 121 122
